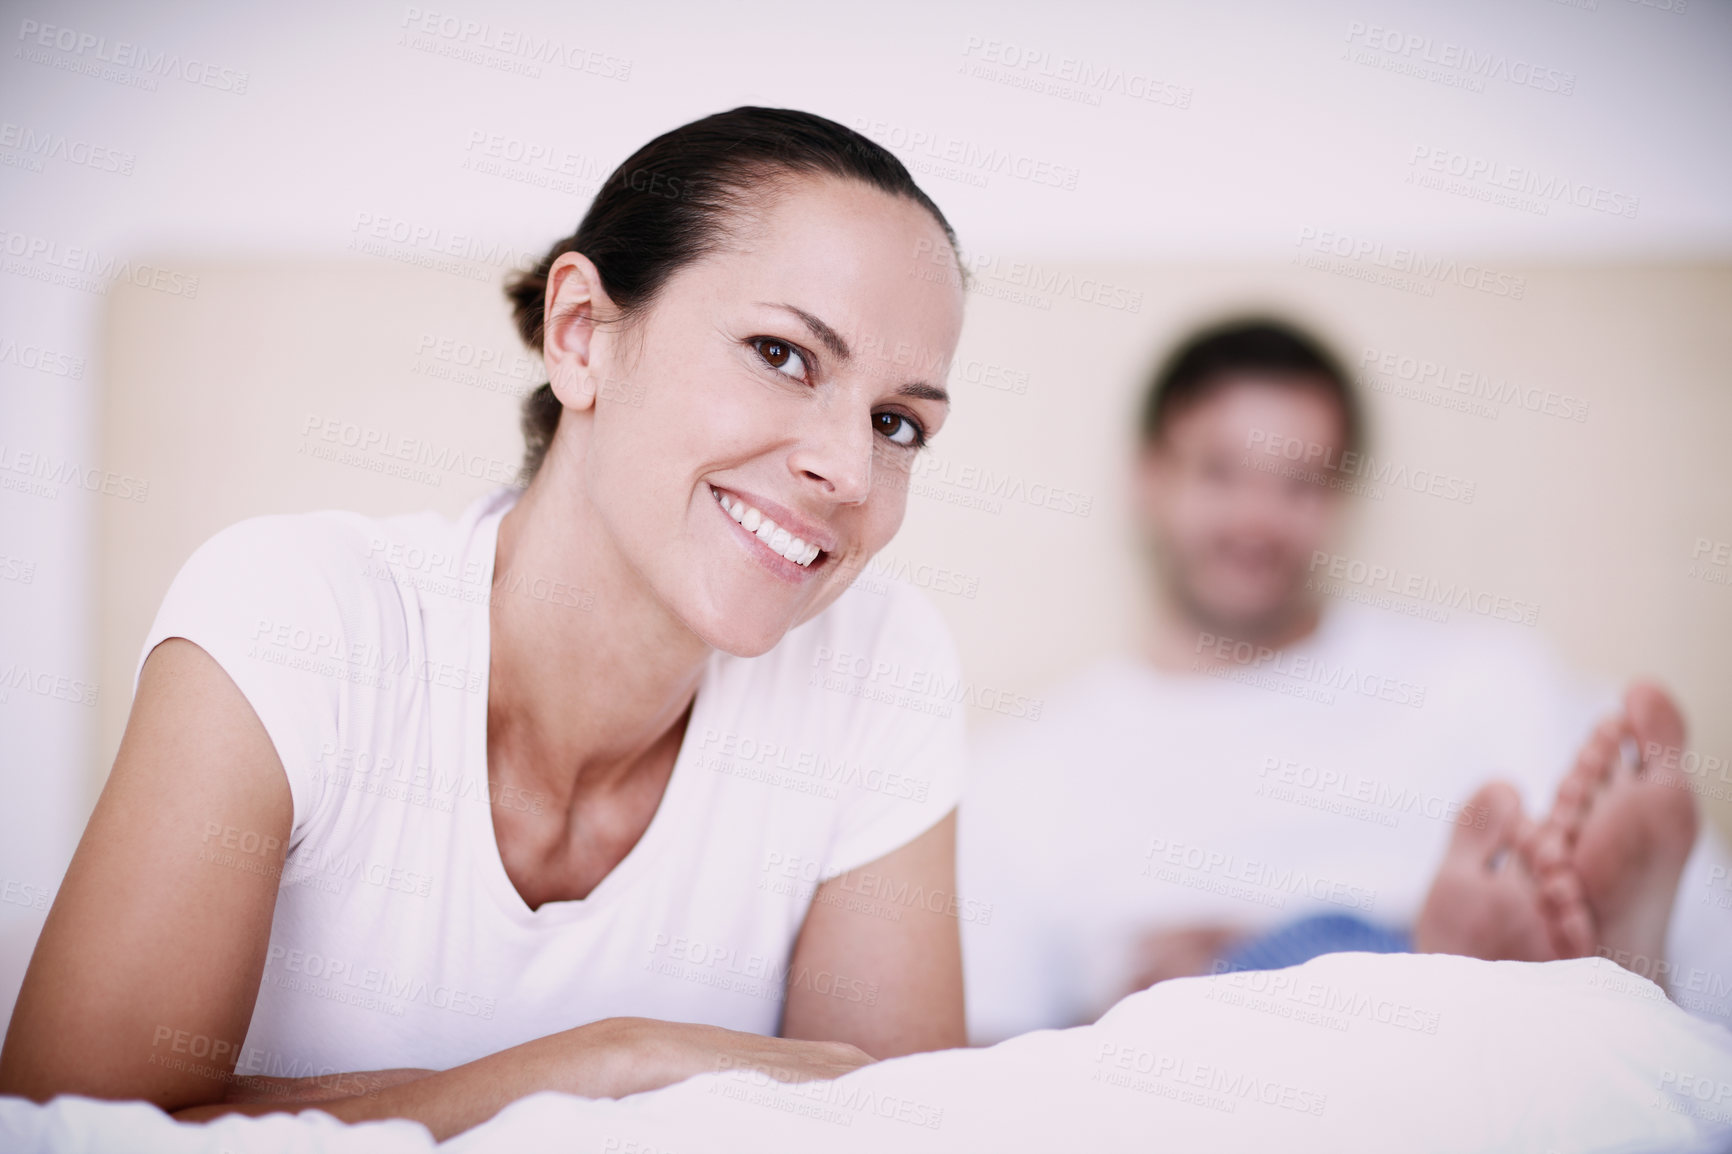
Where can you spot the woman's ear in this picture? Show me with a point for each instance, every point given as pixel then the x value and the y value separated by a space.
pixel 574 298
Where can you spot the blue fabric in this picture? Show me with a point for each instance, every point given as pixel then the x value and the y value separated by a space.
pixel 1310 937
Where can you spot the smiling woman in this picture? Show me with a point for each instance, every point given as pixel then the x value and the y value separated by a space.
pixel 413 838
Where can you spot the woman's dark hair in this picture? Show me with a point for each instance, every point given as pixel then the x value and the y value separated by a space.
pixel 1269 349
pixel 670 203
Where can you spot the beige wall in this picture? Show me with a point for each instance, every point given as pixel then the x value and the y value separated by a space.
pixel 1594 521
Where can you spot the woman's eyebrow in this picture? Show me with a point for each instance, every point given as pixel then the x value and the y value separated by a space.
pixel 832 340
pixel 924 392
pixel 829 337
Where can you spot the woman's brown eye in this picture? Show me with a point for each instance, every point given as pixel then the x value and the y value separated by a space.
pixel 781 356
pixel 899 430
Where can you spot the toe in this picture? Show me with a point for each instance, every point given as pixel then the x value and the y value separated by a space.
pixel 1655 719
pixel 1567 915
pixel 1492 829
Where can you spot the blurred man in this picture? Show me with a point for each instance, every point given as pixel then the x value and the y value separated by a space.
pixel 1299 759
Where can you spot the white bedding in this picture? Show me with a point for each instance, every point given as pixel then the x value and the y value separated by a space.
pixel 1347 1052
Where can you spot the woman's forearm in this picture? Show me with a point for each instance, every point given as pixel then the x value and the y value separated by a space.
pixel 600 1060
pixel 606 1059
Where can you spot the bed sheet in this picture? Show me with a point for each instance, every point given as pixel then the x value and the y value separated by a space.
pixel 1347 1052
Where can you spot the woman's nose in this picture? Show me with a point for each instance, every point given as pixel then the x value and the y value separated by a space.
pixel 836 451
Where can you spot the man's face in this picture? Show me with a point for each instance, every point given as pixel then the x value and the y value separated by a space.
pixel 1235 520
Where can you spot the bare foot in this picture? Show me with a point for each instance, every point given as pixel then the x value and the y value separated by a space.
pixel 1485 901
pixel 1562 895
pixel 1619 834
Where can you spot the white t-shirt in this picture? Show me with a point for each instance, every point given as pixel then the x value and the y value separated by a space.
pixel 1326 779
pixel 398 939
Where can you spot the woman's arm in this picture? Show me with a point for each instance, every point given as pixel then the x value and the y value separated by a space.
pixel 143 981
pixel 606 1059
pixel 879 960
pixel 144 978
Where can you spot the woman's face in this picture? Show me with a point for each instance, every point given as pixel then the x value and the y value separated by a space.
pixel 790 378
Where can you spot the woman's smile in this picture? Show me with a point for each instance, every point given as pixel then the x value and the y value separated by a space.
pixel 782 541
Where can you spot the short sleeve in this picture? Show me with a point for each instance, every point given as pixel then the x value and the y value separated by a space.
pixel 909 723
pixel 260 598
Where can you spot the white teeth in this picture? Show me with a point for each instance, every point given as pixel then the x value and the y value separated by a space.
pixel 793 548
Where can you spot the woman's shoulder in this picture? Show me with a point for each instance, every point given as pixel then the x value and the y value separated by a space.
pixel 306 564
pixel 309 585
pixel 321 538
pixel 329 551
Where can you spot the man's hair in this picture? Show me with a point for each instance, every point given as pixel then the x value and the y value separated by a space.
pixel 1227 352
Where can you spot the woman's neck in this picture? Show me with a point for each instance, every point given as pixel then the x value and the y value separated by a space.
pixel 589 673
